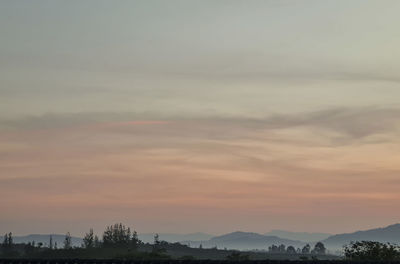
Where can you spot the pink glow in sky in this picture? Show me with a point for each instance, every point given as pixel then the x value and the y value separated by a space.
pixel 212 116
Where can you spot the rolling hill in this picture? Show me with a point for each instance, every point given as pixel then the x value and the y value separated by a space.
pixel 302 236
pixel 171 237
pixel 244 240
pixel 387 234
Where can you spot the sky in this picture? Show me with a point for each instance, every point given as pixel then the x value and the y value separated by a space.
pixel 211 116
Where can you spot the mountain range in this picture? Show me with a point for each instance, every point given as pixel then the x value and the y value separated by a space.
pixel 243 241
pixel 247 240
pixel 302 236
pixel 389 234
pixel 171 237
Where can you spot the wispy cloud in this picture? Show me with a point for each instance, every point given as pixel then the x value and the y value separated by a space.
pixel 271 167
pixel 353 123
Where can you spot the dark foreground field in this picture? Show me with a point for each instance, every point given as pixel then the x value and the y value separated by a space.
pixel 97 261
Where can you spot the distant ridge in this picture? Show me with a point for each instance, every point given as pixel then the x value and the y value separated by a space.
pixel 389 234
pixel 302 236
pixel 245 240
pixel 171 237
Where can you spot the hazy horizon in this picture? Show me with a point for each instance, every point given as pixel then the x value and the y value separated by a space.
pixel 199 116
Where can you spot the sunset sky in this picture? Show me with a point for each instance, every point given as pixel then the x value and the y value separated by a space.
pixel 212 116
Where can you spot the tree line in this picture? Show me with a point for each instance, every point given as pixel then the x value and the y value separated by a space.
pixel 319 249
pixel 372 251
pixel 119 241
pixel 116 240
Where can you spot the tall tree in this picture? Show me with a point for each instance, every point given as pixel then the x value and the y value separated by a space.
pixel 157 246
pixel 156 240
pixel 51 242
pixel 118 235
pixel 88 240
pixel 282 248
pixel 108 236
pixel 135 239
pixel 67 241
pixel 10 239
pixel 97 243
pixel 7 240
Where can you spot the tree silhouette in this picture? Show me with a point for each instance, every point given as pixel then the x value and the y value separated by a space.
pixel 8 240
pixel 371 251
pixel 273 249
pixel 319 249
pixel 96 242
pixel 88 239
pixel 135 241
pixel 5 241
pixel 158 246
pixel 282 248
pixel 306 249
pixel 67 241
pixel 156 239
pixel 291 250
pixel 118 235
pixel 51 242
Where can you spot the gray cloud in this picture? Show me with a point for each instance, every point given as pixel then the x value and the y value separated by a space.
pixel 352 122
pixel 349 123
pixel 59 120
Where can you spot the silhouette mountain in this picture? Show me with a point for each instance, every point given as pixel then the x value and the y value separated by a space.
pixel 171 237
pixel 389 234
pixel 302 236
pixel 244 240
